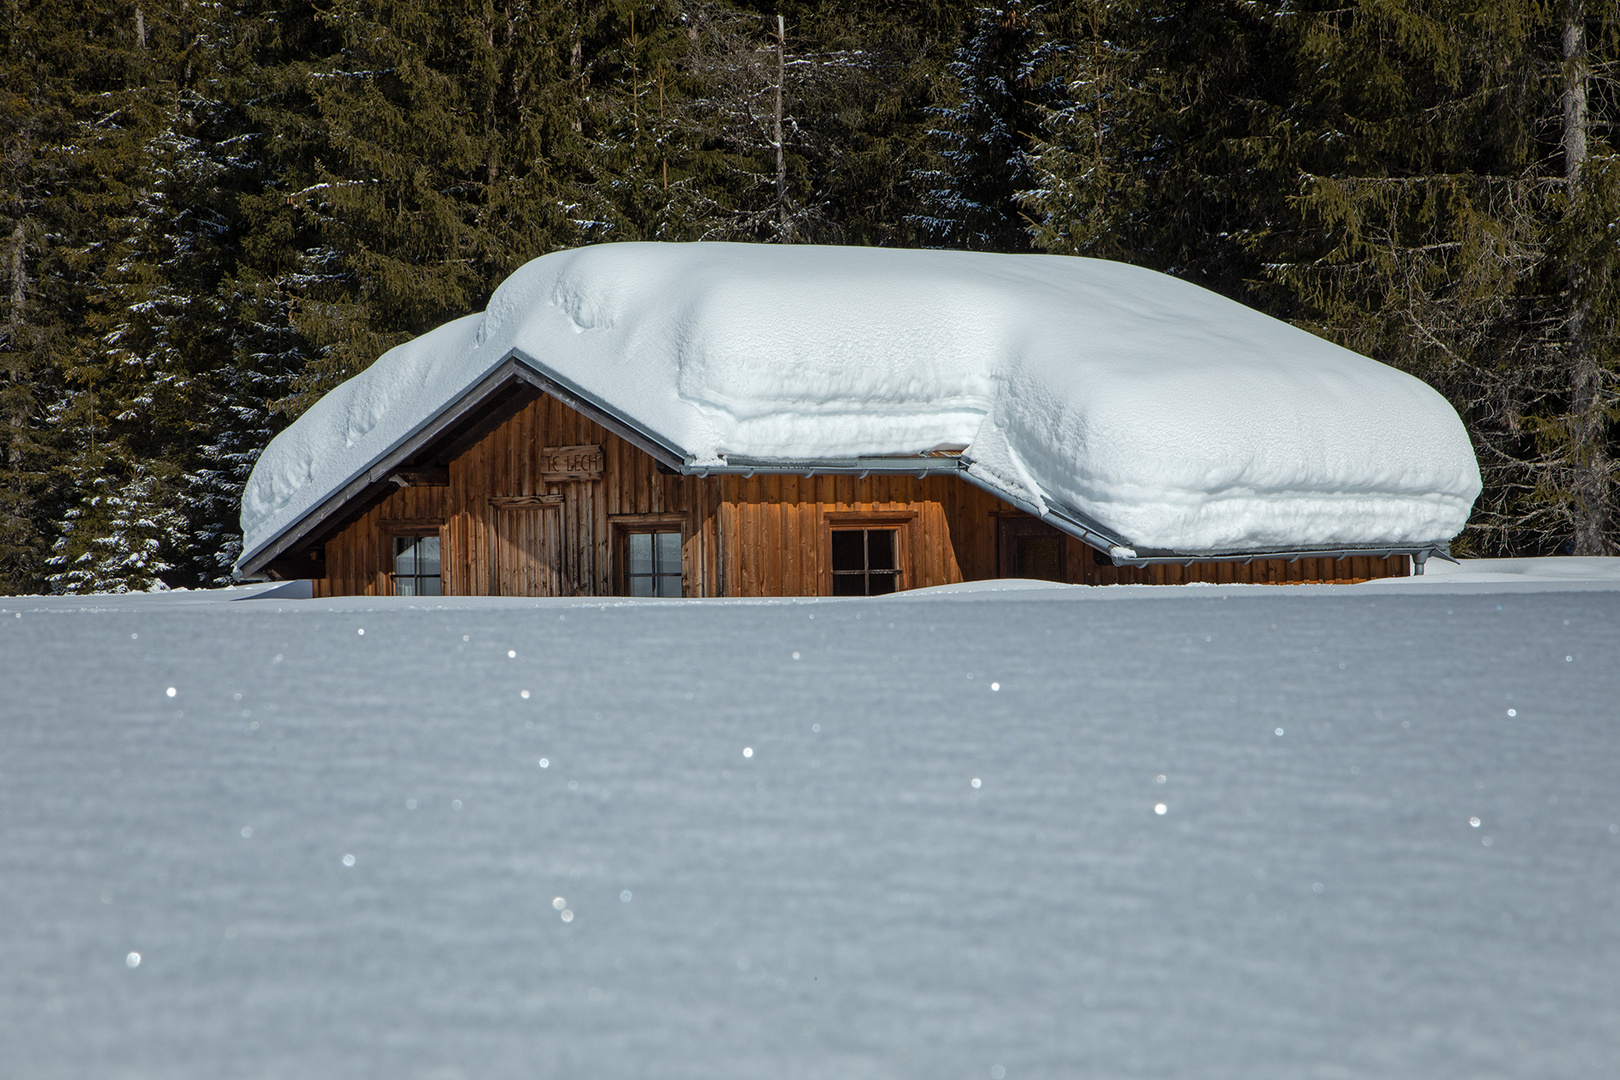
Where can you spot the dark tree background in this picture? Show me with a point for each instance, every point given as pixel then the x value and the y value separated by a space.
pixel 213 212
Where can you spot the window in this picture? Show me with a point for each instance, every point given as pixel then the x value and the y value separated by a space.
pixel 864 562
pixel 652 562
pixel 416 566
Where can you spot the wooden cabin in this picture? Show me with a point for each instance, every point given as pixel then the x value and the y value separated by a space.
pixel 551 503
pixel 723 420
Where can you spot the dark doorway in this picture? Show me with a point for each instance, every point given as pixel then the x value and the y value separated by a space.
pixel 1030 548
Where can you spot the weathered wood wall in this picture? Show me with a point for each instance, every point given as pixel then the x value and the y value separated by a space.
pixel 778 525
pixel 506 466
pixel 766 535
pixel 779 529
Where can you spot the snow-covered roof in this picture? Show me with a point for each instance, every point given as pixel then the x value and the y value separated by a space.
pixel 1164 415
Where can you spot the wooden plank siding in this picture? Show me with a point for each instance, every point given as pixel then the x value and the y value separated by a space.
pixel 765 535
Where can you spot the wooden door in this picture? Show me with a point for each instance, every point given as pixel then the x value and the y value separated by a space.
pixel 527 547
pixel 1030 548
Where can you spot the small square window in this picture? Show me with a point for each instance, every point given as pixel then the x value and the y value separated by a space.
pixel 865 562
pixel 653 564
pixel 416 566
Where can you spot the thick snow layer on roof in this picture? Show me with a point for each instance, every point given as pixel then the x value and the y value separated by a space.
pixel 1171 416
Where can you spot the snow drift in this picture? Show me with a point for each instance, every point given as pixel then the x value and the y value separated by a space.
pixel 1169 415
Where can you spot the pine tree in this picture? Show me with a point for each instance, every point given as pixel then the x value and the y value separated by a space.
pixel 118 539
pixel 1584 250
pixel 1445 229
pixel 445 155
pixel 1004 79
pixel 1387 175
pixel 83 109
pixel 1160 152
pixel 61 75
pixel 855 83
pixel 1418 220
pixel 157 317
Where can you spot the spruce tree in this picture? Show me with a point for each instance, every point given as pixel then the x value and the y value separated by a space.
pixel 66 118
pixel 1442 227
pixel 856 83
pixel 157 317
pixel 443 154
pixel 1160 151
pixel 1388 175
pixel 119 538
pixel 1004 79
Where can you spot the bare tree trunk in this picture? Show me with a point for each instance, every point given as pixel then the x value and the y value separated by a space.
pixel 1587 424
pixel 19 281
pixel 140 28
pixel 14 323
pixel 785 230
pixel 576 58
pixel 1574 99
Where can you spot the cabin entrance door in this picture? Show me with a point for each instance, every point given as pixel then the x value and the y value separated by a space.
pixel 1030 548
pixel 526 548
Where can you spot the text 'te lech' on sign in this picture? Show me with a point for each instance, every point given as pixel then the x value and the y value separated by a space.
pixel 571 463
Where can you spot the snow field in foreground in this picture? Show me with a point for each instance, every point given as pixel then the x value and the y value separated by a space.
pixel 812 839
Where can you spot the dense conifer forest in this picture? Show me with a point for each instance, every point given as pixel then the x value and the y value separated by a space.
pixel 212 211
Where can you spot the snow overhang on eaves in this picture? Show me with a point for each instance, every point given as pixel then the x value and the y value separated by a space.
pixel 520 378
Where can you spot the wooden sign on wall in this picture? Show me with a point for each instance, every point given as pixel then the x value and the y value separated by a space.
pixel 558 463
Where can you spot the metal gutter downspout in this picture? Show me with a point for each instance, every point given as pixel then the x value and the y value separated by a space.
pixel 1420 553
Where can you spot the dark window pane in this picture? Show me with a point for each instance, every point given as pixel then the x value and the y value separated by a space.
pixel 669 553
pixel 882 584
pixel 1040 557
pixel 848 553
pixel 404 554
pixel 653 563
pixel 416 566
pixel 641 555
pixel 880 550
pixel 849 584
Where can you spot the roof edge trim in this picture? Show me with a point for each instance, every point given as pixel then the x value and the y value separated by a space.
pixel 252 563
pixel 576 397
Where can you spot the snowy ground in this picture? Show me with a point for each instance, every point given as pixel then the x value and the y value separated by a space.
pixel 1315 900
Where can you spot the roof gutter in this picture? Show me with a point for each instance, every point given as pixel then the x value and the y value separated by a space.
pixel 1083 528
pixel 1420 554
pixel 734 465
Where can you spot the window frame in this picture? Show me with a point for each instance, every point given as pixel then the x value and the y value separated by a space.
pixel 401 528
pixel 625 526
pixel 900 521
